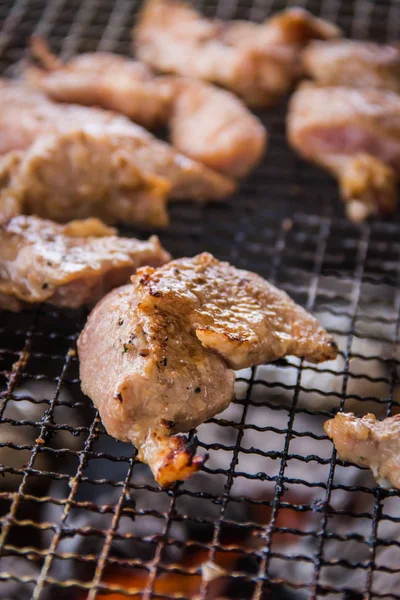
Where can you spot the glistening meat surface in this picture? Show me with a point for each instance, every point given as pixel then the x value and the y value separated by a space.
pixel 26 116
pixel 167 344
pixel 67 265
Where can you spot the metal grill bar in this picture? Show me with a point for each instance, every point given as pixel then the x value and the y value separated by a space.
pixel 358 278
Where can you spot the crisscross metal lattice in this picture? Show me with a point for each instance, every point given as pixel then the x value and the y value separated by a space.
pixel 273 509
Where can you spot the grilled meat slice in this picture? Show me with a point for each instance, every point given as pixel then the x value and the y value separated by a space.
pixel 25 115
pixel 258 62
pixel 354 63
pixel 214 127
pixel 354 134
pixel 102 79
pixel 67 265
pixel 80 174
pixel 206 123
pixel 368 442
pixel 155 380
pixel 167 344
pixel 234 312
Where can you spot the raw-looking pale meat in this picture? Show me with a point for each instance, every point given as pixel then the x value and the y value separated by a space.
pixel 206 123
pixel 26 115
pixel 354 134
pixel 354 63
pixel 167 343
pixel 368 442
pixel 259 62
pixel 67 265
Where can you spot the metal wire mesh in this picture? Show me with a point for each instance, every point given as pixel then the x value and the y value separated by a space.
pixel 274 507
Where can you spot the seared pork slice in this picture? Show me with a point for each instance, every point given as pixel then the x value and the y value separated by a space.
pixel 215 128
pixel 355 134
pixel 167 343
pixel 354 63
pixel 153 379
pixel 234 312
pixel 368 442
pixel 80 174
pixel 26 114
pixel 258 62
pixel 206 123
pixel 67 265
pixel 102 79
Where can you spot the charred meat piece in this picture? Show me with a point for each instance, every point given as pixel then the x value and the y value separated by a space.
pixel 67 265
pixel 368 442
pixel 354 134
pixel 206 123
pixel 26 115
pixel 258 62
pixel 354 63
pixel 167 344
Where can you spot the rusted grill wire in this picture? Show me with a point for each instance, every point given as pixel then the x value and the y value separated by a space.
pixel 274 507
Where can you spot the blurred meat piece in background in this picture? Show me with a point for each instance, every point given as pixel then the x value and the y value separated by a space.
pixel 368 442
pixel 354 63
pixel 92 159
pixel 354 134
pixel 260 63
pixel 209 125
pixel 167 345
pixel 78 174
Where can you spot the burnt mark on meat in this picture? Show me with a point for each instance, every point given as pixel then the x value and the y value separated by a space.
pixel 120 322
pixel 144 280
pixel 131 338
pixel 144 353
pixel 45 285
pixel 164 361
pixel 167 424
pixel 119 397
pixel 125 348
pixel 197 390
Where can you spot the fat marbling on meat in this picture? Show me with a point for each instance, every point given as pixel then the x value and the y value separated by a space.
pixel 368 442
pixel 168 344
pixel 67 265
pixel 206 123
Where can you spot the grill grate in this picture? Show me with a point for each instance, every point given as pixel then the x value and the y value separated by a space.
pixel 274 507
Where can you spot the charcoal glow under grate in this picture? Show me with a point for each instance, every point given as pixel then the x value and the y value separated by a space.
pixel 274 513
